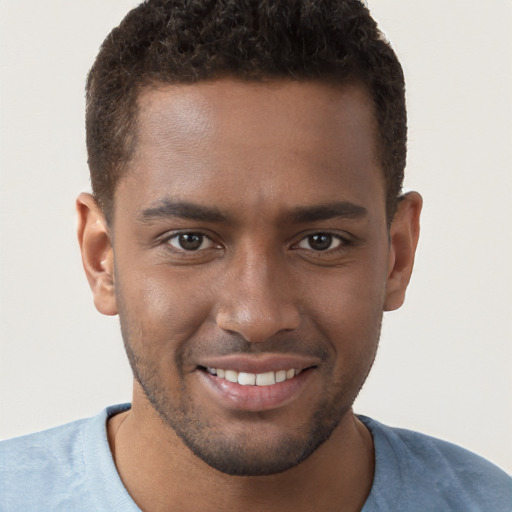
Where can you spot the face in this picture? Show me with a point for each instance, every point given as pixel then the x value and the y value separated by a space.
pixel 251 264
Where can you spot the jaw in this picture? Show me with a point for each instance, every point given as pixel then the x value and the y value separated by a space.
pixel 247 430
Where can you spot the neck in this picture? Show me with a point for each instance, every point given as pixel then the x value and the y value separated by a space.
pixel 161 473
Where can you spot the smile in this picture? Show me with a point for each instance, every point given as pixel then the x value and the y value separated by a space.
pixel 254 379
pixel 256 383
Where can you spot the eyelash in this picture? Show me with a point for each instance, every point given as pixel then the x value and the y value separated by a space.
pixel 177 236
pixel 342 242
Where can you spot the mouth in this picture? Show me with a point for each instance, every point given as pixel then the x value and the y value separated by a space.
pixel 256 384
pixel 269 378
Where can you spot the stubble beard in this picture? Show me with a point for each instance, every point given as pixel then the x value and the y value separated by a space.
pixel 237 454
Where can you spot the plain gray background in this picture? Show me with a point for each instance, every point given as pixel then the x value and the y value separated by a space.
pixel 444 365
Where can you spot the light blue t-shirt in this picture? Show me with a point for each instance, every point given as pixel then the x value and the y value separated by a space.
pixel 70 468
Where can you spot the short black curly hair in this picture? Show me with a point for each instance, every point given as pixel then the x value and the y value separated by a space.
pixel 186 41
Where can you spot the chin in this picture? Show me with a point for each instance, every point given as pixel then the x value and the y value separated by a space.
pixel 252 450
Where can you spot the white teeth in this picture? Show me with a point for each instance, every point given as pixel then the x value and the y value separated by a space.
pixel 252 379
pixel 231 376
pixel 246 379
pixel 265 379
pixel 281 376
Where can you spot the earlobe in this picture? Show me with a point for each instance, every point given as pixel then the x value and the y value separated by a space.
pixel 404 234
pixel 97 253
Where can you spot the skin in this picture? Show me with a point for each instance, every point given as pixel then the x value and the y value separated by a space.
pixel 274 164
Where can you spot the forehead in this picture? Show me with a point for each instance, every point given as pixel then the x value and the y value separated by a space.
pixel 276 143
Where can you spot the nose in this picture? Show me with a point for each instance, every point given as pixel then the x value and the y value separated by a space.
pixel 257 300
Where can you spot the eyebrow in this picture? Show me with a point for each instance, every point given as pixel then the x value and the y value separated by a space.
pixel 342 209
pixel 167 208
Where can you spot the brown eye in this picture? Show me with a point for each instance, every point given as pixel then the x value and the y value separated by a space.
pixel 320 242
pixel 190 241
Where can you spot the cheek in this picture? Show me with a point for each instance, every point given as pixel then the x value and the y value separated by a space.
pixel 348 307
pixel 160 308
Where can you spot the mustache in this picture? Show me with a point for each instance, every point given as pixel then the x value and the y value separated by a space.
pixel 229 344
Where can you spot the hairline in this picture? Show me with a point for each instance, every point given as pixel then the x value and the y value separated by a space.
pixel 139 89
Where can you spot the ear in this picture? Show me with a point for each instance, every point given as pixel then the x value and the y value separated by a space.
pixel 404 233
pixel 97 253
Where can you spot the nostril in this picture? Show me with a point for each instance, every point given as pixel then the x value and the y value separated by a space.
pixel 255 325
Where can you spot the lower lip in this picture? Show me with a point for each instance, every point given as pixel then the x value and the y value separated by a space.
pixel 255 398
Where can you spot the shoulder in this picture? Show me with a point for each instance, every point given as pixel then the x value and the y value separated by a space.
pixel 32 467
pixel 42 447
pixel 51 470
pixel 444 475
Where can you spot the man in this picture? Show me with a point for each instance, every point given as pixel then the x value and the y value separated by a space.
pixel 248 227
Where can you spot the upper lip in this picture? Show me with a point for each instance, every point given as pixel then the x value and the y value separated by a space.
pixel 259 363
